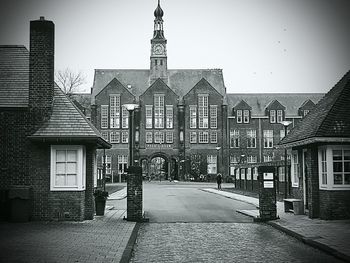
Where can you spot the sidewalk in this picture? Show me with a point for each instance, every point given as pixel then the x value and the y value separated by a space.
pixel 330 236
pixel 103 239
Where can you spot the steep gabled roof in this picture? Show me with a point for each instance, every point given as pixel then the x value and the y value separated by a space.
pixel 181 81
pixel 307 104
pixel 68 123
pixel 14 76
pixel 242 105
pixel 259 101
pixel 329 119
pixel 275 104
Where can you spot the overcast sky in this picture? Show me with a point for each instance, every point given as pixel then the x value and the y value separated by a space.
pixel 261 45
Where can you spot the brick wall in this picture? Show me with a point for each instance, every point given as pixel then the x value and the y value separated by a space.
pixel 134 194
pixel 313 181
pixel 334 205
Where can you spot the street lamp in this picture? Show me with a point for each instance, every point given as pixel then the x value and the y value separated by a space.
pixel 131 107
pixel 286 181
pixel 217 158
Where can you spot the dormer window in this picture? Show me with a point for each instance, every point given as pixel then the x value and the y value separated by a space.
pixel 272 116
pixel 246 116
pixel 279 116
pixel 305 112
pixel 239 116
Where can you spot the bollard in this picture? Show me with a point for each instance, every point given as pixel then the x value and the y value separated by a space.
pixel 134 211
pixel 267 193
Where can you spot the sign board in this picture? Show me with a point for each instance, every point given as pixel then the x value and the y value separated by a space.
pixel 268 176
pixel 268 184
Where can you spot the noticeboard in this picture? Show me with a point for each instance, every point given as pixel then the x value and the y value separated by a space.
pixel 268 176
pixel 268 184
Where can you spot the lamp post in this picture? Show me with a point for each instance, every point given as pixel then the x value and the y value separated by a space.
pixel 286 179
pixel 217 158
pixel 131 107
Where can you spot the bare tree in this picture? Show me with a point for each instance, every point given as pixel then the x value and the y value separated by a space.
pixel 69 81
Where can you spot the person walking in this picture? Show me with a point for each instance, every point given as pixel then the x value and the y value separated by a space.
pixel 219 180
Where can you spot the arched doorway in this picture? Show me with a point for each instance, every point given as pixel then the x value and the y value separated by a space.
pixel 158 168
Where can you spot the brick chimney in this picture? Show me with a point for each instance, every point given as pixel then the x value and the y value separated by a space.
pixel 41 70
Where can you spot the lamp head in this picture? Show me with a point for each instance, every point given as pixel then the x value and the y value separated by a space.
pixel 286 123
pixel 131 106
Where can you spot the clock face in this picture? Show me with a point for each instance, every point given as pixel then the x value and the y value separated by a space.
pixel 158 49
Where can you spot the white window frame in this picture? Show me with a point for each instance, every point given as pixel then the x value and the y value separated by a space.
pixel 104 116
pixel 105 135
pixel 81 167
pixel 193 137
pixel 329 168
pixel 203 111
pixel 149 137
pixel 169 137
pixel 125 118
pixel 159 111
pixel 305 112
pixel 159 137
pixel 169 113
pixel 212 164
pixel 281 174
pixel 268 138
pixel 249 174
pixel 246 116
pixel 251 138
pixel 213 137
pixel 213 116
pixel 203 137
pixel 255 173
pixel 251 159
pixel 272 116
pixel 114 137
pixel 239 116
pixel 108 164
pixel 122 163
pixel 234 139
pixel 149 116
pixel 125 137
pixel 193 116
pixel 114 114
pixel 295 169
pixel 279 116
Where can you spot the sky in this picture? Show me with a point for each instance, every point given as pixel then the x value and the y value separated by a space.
pixel 262 46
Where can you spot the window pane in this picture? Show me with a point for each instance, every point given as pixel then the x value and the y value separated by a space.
pixel 71 179
pixel 60 156
pixel 71 156
pixel 347 167
pixel 71 168
pixel 338 179
pixel 60 180
pixel 337 167
pixel 346 155
pixel 347 178
pixel 337 154
pixel 60 168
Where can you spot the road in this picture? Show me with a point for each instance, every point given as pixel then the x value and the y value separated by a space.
pixel 190 225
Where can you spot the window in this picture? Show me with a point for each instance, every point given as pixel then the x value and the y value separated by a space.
pixel 125 137
pixel 212 160
pixel 324 166
pixel 255 173
pixel 213 116
pixel 149 117
pixel 234 138
pixel 281 174
pixel 203 137
pixel 246 116
pixel 279 116
pixel 242 174
pixel 341 166
pixel 169 137
pixel 149 137
pixel 251 159
pixel 169 116
pixel 114 102
pixel 159 137
pixel 159 111
pixel 305 112
pixel 239 116
pixel 125 118
pixel 193 137
pixel 295 169
pixel 67 168
pixel 105 135
pixel 203 110
pixel 251 138
pixel 122 163
pixel 108 164
pixel 233 159
pixel 104 116
pixel 213 137
pixel 115 137
pixel 193 117
pixel 249 174
pixel 272 116
pixel 268 138
pixel 267 158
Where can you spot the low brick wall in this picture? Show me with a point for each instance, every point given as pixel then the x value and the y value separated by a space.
pixel 334 204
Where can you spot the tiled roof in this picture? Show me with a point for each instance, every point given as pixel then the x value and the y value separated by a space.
pixel 68 122
pixel 330 117
pixel 181 81
pixel 259 101
pixel 14 76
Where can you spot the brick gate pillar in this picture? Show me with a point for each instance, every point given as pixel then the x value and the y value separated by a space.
pixel 267 193
pixel 134 211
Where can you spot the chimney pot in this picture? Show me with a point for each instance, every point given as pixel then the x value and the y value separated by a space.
pixel 42 18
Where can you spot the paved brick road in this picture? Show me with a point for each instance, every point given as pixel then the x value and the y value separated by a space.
pixel 220 242
pixel 101 240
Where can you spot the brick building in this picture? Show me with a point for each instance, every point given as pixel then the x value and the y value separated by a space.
pixel 48 147
pixel 186 117
pixel 320 163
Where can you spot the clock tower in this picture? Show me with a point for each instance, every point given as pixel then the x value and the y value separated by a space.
pixel 158 49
